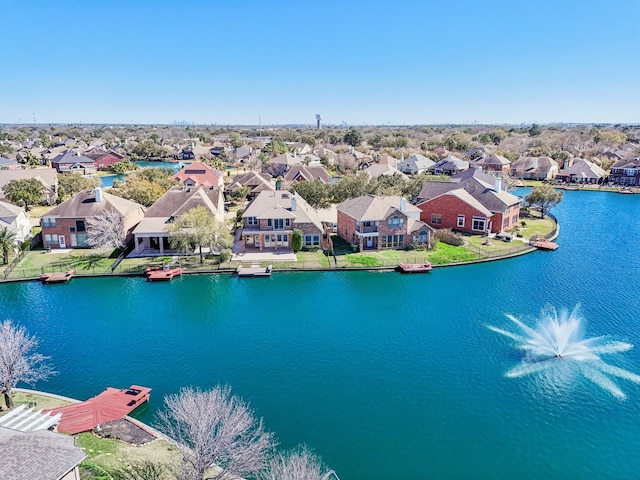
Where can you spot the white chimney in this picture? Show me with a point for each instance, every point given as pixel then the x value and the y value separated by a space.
pixel 294 203
pixel 98 194
pixel 498 184
pixel 403 205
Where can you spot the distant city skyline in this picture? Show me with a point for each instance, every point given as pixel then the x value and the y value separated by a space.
pixel 357 63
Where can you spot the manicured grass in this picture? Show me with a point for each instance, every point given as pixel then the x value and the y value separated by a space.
pixel 39 402
pixel 39 210
pixel 537 226
pixel 444 254
pixel 83 261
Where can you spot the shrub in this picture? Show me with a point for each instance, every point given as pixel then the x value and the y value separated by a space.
pixel 225 255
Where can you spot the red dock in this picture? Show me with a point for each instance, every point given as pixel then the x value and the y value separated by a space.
pixel 112 404
pixel 154 275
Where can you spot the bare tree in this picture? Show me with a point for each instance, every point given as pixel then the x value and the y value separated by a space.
pixel 18 363
pixel 106 231
pixel 214 429
pixel 298 464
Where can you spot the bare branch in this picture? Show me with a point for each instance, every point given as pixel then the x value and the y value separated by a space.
pixel 106 231
pixel 215 429
pixel 17 363
pixel 298 464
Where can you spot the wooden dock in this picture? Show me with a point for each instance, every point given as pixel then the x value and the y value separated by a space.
pixel 57 277
pixel 253 271
pixel 110 405
pixel 163 274
pixel 543 244
pixel 415 267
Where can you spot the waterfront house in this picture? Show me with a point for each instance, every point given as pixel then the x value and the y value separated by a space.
pixel 449 165
pixel 74 162
pixel 373 222
pixel 39 454
pixel 151 236
pixel 626 172
pixel 269 220
pixel 582 171
pixel 15 220
pixel 102 158
pixel 534 168
pixel 472 202
pixel 491 162
pixel 65 226
pixel 198 173
pixel 415 164
pixel 48 177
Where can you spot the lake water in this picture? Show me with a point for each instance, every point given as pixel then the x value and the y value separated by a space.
pixel 384 375
pixel 107 180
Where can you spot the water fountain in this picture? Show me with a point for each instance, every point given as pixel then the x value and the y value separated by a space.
pixel 556 350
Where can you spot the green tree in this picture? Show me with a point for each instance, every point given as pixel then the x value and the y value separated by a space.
pixel 198 228
pixel 25 192
pixel 296 240
pixel 535 130
pixel 145 185
pixel 277 147
pixel 315 192
pixel 545 197
pixel 71 183
pixel 353 137
pixel 236 139
pixel 7 243
pixel 124 166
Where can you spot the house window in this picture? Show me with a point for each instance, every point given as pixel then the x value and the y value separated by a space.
pixel 49 222
pixel 278 223
pixel 308 239
pixel 54 239
pixel 74 240
pixel 478 224
pixel 269 223
pixel 47 240
pixel 514 219
pixel 392 241
pixel 252 221
pixel 423 237
pixel 436 219
pixel 461 220
pixel 395 222
pixel 287 222
pixel 505 222
pixel 80 225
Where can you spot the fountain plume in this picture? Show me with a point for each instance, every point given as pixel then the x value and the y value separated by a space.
pixel 556 346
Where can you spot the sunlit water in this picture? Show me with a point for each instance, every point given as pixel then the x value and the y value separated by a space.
pixel 384 375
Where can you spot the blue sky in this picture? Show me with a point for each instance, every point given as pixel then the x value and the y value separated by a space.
pixel 240 61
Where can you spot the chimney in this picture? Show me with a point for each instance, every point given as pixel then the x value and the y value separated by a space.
pixel 403 205
pixel 98 194
pixel 294 203
pixel 498 184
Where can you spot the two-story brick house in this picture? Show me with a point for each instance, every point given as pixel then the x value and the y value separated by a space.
pixel 472 202
pixel 65 226
pixel 626 172
pixel 269 220
pixel 380 222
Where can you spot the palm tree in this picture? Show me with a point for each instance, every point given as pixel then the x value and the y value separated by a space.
pixel 7 243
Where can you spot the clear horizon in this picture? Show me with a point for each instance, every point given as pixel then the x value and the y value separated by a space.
pixel 357 63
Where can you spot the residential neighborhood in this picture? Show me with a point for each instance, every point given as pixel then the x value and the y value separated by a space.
pixel 265 187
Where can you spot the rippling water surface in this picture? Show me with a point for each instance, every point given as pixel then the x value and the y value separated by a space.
pixel 384 375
